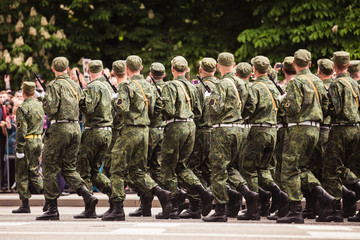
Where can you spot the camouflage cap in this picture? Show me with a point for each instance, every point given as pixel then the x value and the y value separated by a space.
pixel 119 66
pixel 341 58
pixel 326 66
pixel 243 69
pixel 288 63
pixel 302 57
pixel 226 59
pixel 157 69
pixel 179 63
pixel 354 66
pixel 28 87
pixel 133 62
pixel 60 64
pixel 261 63
pixel 95 66
pixel 208 64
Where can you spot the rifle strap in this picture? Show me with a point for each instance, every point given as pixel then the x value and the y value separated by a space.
pixel 313 86
pixel 352 90
pixel 186 95
pixel 210 83
pixel 142 91
pixel 72 89
pixel 271 96
pixel 236 91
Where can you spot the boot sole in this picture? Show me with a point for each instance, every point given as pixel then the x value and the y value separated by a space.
pixel 113 219
pixel 48 219
pixel 295 221
pixel 214 220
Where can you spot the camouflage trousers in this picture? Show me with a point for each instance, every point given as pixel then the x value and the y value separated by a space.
pixel 276 160
pixel 257 157
pixel 27 169
pixel 129 160
pixel 156 136
pixel 60 154
pixel 341 161
pixel 243 146
pixel 199 161
pixel 224 155
pixel 107 155
pixel 178 144
pixel 295 173
pixel 94 144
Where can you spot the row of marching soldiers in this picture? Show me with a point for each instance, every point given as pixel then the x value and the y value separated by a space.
pixel 241 138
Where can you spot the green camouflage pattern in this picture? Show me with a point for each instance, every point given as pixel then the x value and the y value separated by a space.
pixel 317 158
pixel 157 119
pixel 96 105
pixel 242 87
pixel 94 145
pixel 295 173
pixel 301 103
pixel 108 156
pixel 276 161
pixel 156 136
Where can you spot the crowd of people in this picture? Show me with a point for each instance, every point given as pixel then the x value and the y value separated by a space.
pixel 221 139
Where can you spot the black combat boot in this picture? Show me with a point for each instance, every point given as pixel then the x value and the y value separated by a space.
pixel 294 215
pixel 273 216
pixel 234 204
pixel 355 218
pixel 279 200
pixel 117 214
pixel 90 203
pixel 336 215
pixel 111 208
pixel 182 204
pixel 206 199
pixel 174 214
pixel 145 206
pixel 309 210
pixel 194 210
pixel 349 202
pixel 251 198
pixel 52 212
pixel 327 201
pixel 24 208
pixel 165 200
pixel 46 205
pixel 218 216
pixel 264 199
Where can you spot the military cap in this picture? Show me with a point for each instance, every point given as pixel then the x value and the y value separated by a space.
pixel 157 69
pixel 261 63
pixel 243 69
pixel 302 57
pixel 60 64
pixel 95 66
pixel 208 64
pixel 119 66
pixel 326 66
pixel 28 87
pixel 341 58
pixel 179 63
pixel 288 63
pixel 133 62
pixel 226 59
pixel 354 66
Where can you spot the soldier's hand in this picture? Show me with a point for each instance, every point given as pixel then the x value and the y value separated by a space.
pixel 282 97
pixel 20 155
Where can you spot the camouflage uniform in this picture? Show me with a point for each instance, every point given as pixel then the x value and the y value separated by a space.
pixel 96 136
pixel 30 122
pixel 62 138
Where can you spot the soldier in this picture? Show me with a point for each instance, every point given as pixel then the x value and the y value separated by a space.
pixel 340 164
pixel 199 160
pixel 305 103
pixel 261 109
pixel 96 137
pixel 134 102
pixel 62 139
pixel 225 112
pixel 156 135
pixel 180 106
pixel 30 122
pixel 354 70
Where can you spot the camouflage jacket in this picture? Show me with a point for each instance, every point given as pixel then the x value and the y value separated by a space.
pixel 301 103
pixel 205 119
pixel 327 82
pixel 29 121
pixel 281 116
pixel 345 108
pixel 96 105
pixel 135 104
pixel 175 103
pixel 241 85
pixel 157 119
pixel 62 97
pixel 260 106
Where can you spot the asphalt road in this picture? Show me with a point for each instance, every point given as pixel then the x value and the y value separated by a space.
pixel 24 226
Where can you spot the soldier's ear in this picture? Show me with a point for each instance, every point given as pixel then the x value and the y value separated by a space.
pixel 141 68
pixel 310 64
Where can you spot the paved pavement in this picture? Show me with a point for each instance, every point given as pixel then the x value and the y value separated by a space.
pixel 24 226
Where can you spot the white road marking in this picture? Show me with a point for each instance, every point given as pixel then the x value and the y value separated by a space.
pixel 139 231
pixel 324 228
pixel 157 224
pixel 12 224
pixel 335 235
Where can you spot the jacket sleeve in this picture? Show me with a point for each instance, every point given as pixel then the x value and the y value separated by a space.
pixel 21 130
pixel 252 101
pixel 169 95
pixel 122 103
pixel 51 101
pixel 292 104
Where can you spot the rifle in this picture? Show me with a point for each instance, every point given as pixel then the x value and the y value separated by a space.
pixel 277 86
pixel 156 85
pixel 78 77
pixel 112 86
pixel 206 86
pixel 38 79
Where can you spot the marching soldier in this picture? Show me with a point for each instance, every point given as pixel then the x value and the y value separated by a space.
pixel 354 70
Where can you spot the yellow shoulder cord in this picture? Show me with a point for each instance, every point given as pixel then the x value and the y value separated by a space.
pixel 186 95
pixel 352 90
pixel 313 86
pixel 142 91
pixel 236 91
pixel 272 98
pixel 72 89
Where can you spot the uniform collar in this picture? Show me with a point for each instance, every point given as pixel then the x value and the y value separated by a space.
pixel 343 75
pixel 137 77
pixel 304 71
